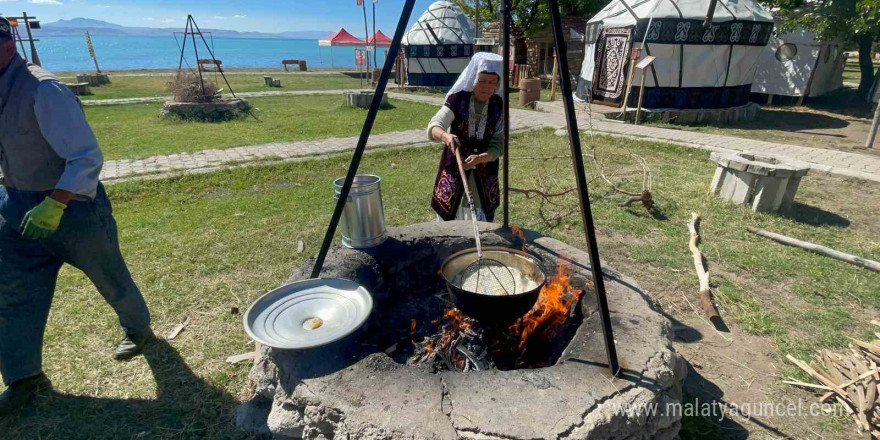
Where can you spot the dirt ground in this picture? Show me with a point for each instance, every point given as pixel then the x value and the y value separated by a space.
pixel 838 121
pixel 735 369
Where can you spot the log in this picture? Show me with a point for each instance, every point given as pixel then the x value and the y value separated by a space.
pixel 702 273
pixel 822 250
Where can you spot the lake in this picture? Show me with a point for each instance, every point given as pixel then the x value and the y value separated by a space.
pixel 131 53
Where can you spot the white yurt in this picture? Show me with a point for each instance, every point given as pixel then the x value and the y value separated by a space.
pixel 695 67
pixel 798 64
pixel 439 45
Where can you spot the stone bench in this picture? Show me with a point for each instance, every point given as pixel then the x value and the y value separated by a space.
pixel 765 183
pixel 271 82
pixel 80 89
pixel 93 79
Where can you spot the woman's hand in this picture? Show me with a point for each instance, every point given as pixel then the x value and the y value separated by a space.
pixel 475 159
pixel 450 140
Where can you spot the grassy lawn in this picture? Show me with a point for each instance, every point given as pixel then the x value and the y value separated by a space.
pixel 851 72
pixel 201 245
pixel 146 86
pixel 134 131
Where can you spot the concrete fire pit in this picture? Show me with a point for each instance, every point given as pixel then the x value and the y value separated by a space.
pixel 359 389
pixel 362 98
pixel 763 182
pixel 215 111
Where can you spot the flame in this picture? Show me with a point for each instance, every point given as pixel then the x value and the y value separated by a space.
pixel 522 236
pixel 412 326
pixel 551 310
pixel 456 325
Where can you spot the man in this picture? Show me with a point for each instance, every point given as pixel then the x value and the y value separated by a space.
pixel 53 210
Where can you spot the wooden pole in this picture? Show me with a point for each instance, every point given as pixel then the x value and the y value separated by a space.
pixel 710 14
pixel 375 60
pixel 629 80
pixel 366 34
pixel 555 75
pixel 35 58
pixel 92 51
pixel 821 250
pixel 641 95
pixel 873 133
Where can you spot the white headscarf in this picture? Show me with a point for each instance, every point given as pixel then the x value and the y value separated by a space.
pixel 481 62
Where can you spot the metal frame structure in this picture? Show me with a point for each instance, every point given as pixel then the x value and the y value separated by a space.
pixel 192 29
pixel 30 22
pixel 574 143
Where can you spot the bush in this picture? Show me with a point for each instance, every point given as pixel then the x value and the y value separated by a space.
pixel 188 87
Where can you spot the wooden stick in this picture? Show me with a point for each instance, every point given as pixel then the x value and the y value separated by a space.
pixel 822 250
pixel 821 378
pixel 867 346
pixel 702 273
pixel 641 96
pixel 555 75
pixel 805 385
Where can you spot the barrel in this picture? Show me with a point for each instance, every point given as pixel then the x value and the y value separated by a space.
pixel 529 91
pixel 363 219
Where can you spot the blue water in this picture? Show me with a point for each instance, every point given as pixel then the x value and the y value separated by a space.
pixel 129 53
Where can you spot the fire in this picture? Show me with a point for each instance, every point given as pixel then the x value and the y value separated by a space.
pixel 456 324
pixel 545 319
pixel 522 236
pixel 412 327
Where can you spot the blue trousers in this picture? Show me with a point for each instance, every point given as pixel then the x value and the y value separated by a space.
pixel 86 239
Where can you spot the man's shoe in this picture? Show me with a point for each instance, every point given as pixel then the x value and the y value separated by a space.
pixel 23 391
pixel 132 345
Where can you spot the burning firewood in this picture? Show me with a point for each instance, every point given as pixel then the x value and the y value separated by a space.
pixel 458 347
pixel 851 378
pixel 535 340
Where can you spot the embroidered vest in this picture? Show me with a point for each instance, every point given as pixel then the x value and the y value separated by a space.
pixel 448 185
pixel 27 160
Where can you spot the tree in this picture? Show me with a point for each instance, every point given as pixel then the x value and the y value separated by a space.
pixel 531 15
pixel 853 20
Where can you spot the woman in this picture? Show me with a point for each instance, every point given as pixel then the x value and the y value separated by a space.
pixel 470 121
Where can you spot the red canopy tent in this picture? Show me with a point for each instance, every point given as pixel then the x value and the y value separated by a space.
pixel 380 39
pixel 342 38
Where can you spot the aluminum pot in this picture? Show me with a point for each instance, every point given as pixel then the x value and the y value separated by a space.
pixel 363 218
pixel 499 311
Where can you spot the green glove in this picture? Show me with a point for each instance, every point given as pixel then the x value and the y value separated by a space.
pixel 43 220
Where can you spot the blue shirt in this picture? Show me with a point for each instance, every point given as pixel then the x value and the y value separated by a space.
pixel 63 124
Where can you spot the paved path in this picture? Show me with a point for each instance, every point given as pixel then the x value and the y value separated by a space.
pixel 828 161
pixel 119 101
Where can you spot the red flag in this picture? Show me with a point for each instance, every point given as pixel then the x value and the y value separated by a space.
pixel 360 2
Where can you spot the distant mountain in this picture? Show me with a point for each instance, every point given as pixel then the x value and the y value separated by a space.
pixel 76 27
pixel 83 23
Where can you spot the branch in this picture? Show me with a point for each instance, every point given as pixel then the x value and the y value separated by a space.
pixel 702 273
pixel 530 193
pixel 821 250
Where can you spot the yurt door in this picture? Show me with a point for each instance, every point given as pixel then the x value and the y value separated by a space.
pixel 612 62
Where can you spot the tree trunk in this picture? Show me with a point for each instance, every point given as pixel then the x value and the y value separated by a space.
pixel 521 52
pixel 865 64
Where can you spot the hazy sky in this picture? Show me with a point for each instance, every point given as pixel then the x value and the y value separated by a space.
pixel 241 15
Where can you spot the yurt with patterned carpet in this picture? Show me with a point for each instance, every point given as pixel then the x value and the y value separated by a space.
pixel 697 67
pixel 439 45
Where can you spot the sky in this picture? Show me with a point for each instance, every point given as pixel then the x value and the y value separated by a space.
pixel 241 15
